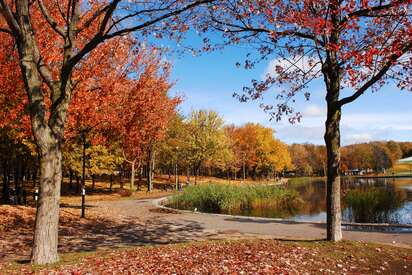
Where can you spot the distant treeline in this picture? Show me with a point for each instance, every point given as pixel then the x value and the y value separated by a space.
pixel 309 159
pixel 200 144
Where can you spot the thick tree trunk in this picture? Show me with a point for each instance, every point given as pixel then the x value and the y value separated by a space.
pixel 111 183
pixel 332 76
pixel 332 141
pixel 47 216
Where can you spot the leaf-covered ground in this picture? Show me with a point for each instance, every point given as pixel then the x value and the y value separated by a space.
pixel 235 257
pixel 106 232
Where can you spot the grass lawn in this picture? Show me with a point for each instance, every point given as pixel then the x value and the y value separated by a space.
pixel 234 257
pixel 402 169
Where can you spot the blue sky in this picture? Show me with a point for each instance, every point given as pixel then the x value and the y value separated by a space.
pixel 209 81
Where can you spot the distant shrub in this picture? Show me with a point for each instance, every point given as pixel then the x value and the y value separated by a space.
pixel 226 198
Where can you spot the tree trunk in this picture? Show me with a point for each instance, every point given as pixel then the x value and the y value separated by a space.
pixel 132 176
pixel 77 184
pixel 6 190
pixel 176 178
pixel 111 183
pixel 187 176
pixel 141 170
pixel 93 182
pixel 71 178
pixel 332 76
pixel 149 172
pixel 121 179
pixel 84 161
pixel 47 216
pixel 332 140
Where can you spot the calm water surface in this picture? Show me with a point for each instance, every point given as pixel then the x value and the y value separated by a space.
pixel 363 200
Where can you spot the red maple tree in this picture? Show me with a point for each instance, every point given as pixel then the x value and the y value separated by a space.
pixel 141 110
pixel 71 29
pixel 353 46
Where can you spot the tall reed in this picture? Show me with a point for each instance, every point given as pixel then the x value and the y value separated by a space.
pixel 229 198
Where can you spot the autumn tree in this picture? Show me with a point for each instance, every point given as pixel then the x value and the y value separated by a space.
pixel 406 148
pixel 141 110
pixel 174 149
pixel 300 159
pixel 205 137
pixel 353 46
pixel 256 149
pixel 73 30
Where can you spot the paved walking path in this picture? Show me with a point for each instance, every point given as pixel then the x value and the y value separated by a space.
pixel 169 226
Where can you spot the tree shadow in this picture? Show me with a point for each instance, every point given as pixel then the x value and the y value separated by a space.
pixel 96 233
pixel 108 234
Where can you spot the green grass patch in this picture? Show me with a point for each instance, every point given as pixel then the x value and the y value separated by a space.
pixel 227 198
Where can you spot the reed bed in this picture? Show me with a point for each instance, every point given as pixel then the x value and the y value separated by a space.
pixel 227 198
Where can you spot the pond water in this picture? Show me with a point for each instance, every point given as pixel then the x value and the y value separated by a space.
pixel 370 200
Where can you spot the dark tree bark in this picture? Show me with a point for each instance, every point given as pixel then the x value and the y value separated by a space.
pixel 111 183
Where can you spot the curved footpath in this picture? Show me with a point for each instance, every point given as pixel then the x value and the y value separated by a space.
pixel 164 225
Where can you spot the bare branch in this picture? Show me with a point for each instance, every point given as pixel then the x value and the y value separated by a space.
pixel 239 29
pixel 368 12
pixel 156 20
pixel 392 59
pixel 9 16
pixel 6 31
pixel 52 22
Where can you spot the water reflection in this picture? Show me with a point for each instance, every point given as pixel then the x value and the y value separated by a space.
pixel 363 200
pixel 374 205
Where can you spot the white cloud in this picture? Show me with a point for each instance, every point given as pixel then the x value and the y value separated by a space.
pixel 358 138
pixel 355 127
pixel 314 110
pixel 298 133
